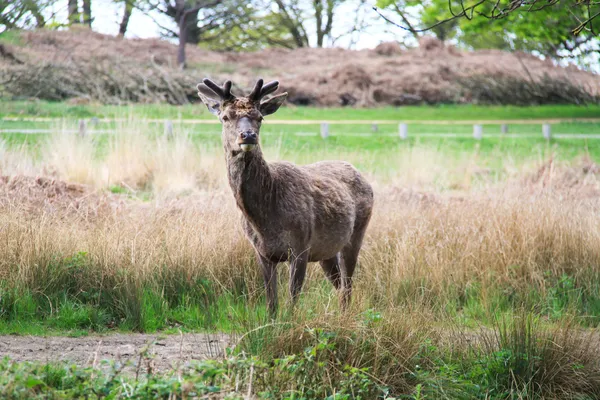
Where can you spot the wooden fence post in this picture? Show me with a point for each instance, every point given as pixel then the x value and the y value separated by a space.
pixel 324 130
pixel 504 129
pixel 477 131
pixel 403 131
pixel 374 128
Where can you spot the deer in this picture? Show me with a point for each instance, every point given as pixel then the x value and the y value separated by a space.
pixel 300 214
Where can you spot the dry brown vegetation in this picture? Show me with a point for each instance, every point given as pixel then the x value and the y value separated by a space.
pixel 88 66
pixel 510 240
pixel 467 285
pixel 424 245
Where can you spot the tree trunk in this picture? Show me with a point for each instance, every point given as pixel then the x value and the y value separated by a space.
pixel 299 38
pixel 319 21
pixel 181 49
pixel 188 33
pixel 87 12
pixel 126 15
pixel 183 33
pixel 73 12
pixel 192 34
pixel 329 23
pixel 323 27
pixel 293 25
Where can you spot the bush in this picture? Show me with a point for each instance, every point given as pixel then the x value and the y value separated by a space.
pixel 514 90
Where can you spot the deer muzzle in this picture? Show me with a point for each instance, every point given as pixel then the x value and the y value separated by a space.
pixel 248 140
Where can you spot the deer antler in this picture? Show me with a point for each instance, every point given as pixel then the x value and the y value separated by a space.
pixel 223 92
pixel 261 91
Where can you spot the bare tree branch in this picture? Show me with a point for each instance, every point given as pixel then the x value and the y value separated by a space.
pixel 455 16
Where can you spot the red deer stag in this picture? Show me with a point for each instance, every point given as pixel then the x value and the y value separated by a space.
pixel 317 212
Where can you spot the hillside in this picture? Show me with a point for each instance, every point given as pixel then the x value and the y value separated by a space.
pixel 88 66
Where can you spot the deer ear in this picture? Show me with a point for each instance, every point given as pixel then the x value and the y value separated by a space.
pixel 271 105
pixel 209 98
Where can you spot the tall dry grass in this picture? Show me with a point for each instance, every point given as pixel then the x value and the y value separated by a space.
pixel 425 246
pixel 510 240
pixel 450 244
pixel 135 156
pixel 415 254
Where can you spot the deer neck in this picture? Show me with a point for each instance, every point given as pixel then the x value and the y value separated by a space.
pixel 252 184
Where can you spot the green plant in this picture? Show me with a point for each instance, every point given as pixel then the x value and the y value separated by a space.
pixel 519 359
pixel 291 377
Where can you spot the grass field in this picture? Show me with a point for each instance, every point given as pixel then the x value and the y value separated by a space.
pixel 479 278
pixel 198 111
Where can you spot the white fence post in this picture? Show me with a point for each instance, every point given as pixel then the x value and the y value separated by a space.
pixel 168 129
pixel 324 130
pixel 82 128
pixel 504 129
pixel 546 131
pixel 374 128
pixel 477 131
pixel 403 131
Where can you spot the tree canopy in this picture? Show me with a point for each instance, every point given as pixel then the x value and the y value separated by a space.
pixel 552 28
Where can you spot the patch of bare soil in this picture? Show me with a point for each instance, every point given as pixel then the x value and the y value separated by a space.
pixel 47 194
pixel 163 352
pixel 93 67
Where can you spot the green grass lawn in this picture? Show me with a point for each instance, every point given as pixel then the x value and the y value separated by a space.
pixel 306 136
pixel 198 111
pixel 303 142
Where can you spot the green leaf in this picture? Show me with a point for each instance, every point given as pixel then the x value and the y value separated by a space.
pixel 33 382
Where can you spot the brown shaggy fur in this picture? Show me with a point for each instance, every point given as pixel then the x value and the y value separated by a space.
pixel 317 212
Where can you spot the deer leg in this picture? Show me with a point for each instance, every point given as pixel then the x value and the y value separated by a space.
pixel 297 273
pixel 350 255
pixel 348 262
pixel 331 267
pixel 270 276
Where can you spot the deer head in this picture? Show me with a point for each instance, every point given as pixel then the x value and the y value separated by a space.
pixel 241 116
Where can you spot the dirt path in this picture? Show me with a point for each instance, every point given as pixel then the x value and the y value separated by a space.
pixel 166 351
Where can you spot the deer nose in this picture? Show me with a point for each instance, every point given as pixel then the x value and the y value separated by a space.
pixel 248 136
